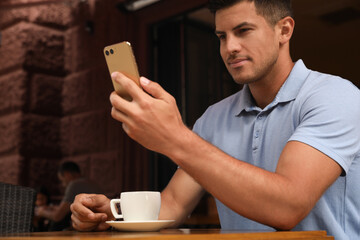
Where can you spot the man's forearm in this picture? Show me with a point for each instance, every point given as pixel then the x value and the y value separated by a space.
pixel 180 197
pixel 49 213
pixel 250 191
pixel 56 213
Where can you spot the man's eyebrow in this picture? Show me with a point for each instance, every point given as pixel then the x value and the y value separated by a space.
pixel 219 32
pixel 243 24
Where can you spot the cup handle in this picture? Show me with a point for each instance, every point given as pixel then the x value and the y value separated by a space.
pixel 114 211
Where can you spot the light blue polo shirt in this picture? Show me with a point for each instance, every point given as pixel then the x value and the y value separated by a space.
pixel 318 109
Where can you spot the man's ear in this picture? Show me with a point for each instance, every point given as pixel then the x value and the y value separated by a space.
pixel 286 26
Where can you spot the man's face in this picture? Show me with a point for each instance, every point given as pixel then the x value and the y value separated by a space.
pixel 41 199
pixel 63 179
pixel 249 46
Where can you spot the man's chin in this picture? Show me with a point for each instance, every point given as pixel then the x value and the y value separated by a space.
pixel 242 79
pixel 239 75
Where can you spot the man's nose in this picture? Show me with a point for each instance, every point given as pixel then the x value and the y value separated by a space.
pixel 233 45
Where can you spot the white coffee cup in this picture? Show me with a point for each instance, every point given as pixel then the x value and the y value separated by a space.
pixel 137 206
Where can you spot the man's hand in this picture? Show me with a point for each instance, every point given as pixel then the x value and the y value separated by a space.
pixel 90 211
pixel 39 211
pixel 151 118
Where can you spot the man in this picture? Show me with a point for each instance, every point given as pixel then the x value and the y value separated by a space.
pixel 283 153
pixel 70 176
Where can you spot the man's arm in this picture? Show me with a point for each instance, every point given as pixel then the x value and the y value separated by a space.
pixel 280 199
pixel 55 214
pixel 180 197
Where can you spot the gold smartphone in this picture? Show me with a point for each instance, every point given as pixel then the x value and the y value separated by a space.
pixel 120 58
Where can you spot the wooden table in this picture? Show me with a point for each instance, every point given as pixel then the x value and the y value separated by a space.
pixel 173 234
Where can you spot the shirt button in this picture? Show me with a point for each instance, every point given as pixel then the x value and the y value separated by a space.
pixel 257 134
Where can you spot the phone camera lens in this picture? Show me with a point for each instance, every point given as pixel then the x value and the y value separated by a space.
pixel 111 51
pixel 107 53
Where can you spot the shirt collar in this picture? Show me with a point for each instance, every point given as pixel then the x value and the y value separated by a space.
pixel 288 91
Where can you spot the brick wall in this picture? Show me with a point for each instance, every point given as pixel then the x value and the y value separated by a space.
pixel 54 91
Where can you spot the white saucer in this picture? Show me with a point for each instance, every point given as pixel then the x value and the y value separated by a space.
pixel 144 226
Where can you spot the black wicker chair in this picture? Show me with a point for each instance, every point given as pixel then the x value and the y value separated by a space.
pixel 16 208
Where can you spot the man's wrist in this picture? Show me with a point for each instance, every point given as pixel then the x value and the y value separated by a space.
pixel 184 143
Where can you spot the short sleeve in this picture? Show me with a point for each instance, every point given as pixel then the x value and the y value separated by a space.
pixel 330 120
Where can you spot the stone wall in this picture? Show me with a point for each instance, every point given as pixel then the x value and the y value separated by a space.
pixel 54 91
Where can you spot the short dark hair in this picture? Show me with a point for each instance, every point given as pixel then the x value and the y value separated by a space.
pixel 44 191
pixel 272 10
pixel 69 167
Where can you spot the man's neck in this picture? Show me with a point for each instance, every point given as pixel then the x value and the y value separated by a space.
pixel 265 90
pixel 74 177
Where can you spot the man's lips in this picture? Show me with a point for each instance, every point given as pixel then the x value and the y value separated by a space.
pixel 238 62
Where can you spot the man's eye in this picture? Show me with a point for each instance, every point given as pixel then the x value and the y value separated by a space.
pixel 221 37
pixel 243 30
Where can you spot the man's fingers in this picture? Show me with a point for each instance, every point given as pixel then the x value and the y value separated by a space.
pixel 118 106
pixel 80 211
pixel 88 216
pixel 84 203
pixel 94 200
pixel 81 225
pixel 88 212
pixel 153 88
pixel 102 226
pixel 97 222
pixel 129 85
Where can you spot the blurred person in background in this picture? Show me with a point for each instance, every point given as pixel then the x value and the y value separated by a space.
pixel 74 183
pixel 41 224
